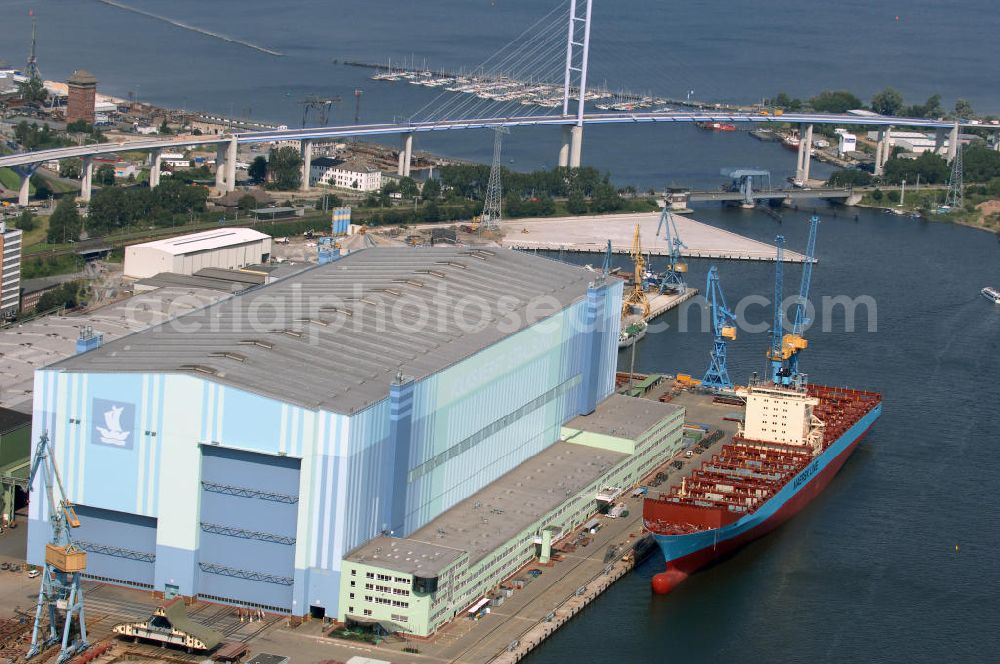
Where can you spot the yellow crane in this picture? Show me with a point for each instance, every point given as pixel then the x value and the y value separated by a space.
pixel 637 296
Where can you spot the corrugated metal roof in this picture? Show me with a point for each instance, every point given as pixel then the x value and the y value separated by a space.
pixel 335 336
pixel 187 244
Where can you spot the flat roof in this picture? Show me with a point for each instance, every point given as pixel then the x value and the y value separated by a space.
pixel 215 239
pixel 623 417
pixel 484 521
pixel 336 335
pixel 29 345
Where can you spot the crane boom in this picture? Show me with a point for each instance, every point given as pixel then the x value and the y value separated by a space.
pixel 775 353
pixel 794 342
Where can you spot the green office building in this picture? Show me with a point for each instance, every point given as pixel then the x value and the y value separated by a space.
pixel 417 584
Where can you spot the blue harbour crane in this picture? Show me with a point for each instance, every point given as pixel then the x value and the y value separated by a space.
pixel 723 328
pixel 60 594
pixel 795 340
pixel 779 372
pixel 673 277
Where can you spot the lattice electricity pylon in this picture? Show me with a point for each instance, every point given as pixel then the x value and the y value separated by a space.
pixel 65 562
pixel 491 217
pixel 956 189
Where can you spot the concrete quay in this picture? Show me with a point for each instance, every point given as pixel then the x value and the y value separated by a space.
pixel 590 234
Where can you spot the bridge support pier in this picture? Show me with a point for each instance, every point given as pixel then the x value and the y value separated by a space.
pixel 220 168
pixel 405 156
pixel 307 158
pixel 940 136
pixel 154 168
pixel 86 179
pixel 24 191
pixel 996 141
pixel 567 132
pixel 805 154
pixel 576 146
pixel 882 150
pixel 953 143
pixel 231 152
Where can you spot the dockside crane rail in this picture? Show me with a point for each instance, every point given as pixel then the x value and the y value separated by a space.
pixel 723 328
pixel 61 591
pixel 673 278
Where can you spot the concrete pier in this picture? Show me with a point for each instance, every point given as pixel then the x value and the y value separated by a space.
pixel 231 153
pixel 405 156
pixel 882 150
pixel 590 234
pixel 154 168
pixel 86 179
pixel 953 143
pixel 24 191
pixel 307 157
pixel 805 153
pixel 564 147
pixel 220 168
pixel 576 146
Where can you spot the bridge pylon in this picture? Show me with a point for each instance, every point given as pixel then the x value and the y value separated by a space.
pixel 575 80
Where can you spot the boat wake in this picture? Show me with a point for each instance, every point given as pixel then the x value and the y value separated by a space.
pixel 192 28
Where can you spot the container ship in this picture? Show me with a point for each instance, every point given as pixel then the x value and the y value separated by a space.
pixel 789 445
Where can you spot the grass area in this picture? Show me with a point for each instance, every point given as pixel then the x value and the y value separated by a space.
pixel 32 268
pixel 927 203
pixel 10 180
pixel 36 235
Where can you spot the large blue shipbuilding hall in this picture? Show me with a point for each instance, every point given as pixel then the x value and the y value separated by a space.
pixel 239 452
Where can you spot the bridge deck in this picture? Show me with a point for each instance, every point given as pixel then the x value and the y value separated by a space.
pixel 591 234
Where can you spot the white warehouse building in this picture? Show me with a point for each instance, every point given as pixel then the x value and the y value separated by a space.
pixel 228 248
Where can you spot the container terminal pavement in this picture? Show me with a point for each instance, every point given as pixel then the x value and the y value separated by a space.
pixel 250 461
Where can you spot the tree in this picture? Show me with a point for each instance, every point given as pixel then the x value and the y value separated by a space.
pixel 887 102
pixel 328 201
pixel 65 295
pixel 929 109
pixel 105 175
pixel 70 168
pixel 408 187
pixel 79 127
pixel 284 166
pixel 65 223
pixel 257 171
pixel 850 177
pixel 576 203
pixel 963 109
pixel 431 190
pixel 26 222
pixel 835 101
pixel 165 128
pixel 782 100
pixel 33 90
pixel 931 168
pixel 247 203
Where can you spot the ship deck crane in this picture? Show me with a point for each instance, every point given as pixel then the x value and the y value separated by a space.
pixel 637 296
pixel 673 278
pixel 723 328
pixel 61 591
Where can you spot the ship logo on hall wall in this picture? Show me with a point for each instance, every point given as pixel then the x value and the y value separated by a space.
pixel 113 423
